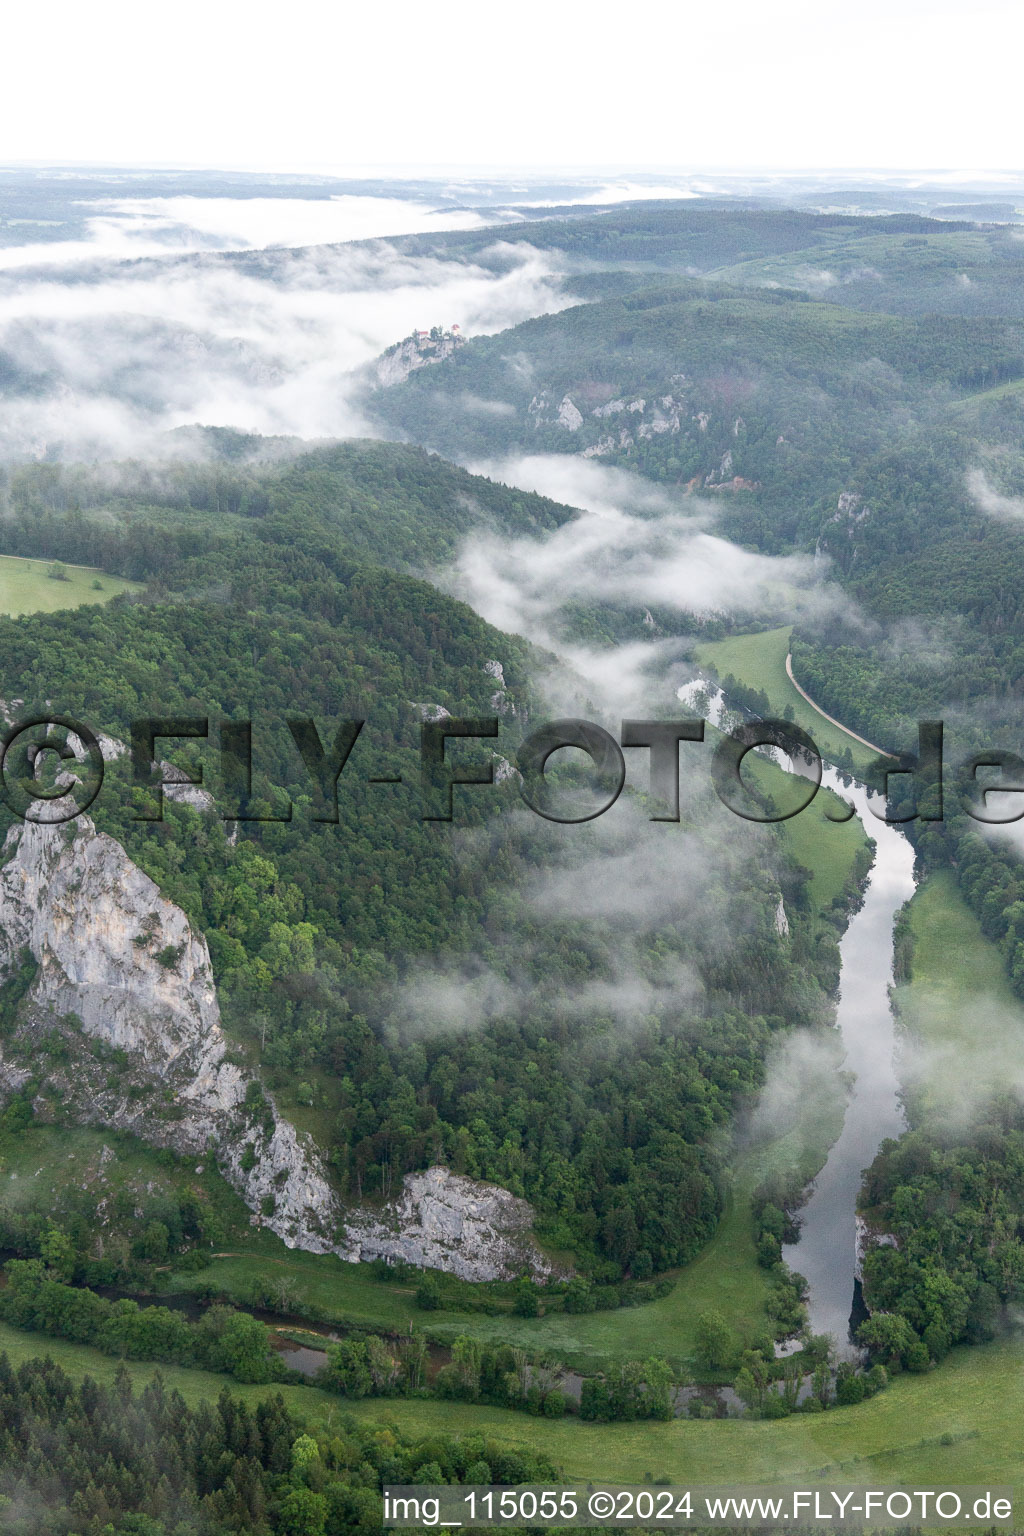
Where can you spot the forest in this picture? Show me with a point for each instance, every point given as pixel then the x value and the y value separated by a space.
pixel 848 389
pixel 319 933
pixel 86 1460
pixel 581 1015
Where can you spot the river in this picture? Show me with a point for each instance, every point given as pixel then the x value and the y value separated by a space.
pixel 826 1253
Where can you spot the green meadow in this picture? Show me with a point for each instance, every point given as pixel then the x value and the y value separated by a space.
pixel 27 587
pixel 724 1276
pixel 958 1424
pixel 759 661
pixel 963 1027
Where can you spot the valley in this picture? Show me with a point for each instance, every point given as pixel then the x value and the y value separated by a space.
pixel 564 1116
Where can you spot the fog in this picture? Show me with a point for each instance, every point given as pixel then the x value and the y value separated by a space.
pixel 649 902
pixel 104 364
pixel 126 228
pixel 635 544
pixel 987 499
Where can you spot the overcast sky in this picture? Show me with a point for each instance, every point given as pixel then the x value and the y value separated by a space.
pixel 530 83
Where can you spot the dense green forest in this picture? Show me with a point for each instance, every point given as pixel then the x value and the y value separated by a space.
pixel 882 436
pixel 849 389
pixel 952 1199
pixel 323 935
pixel 87 1460
pixel 550 1008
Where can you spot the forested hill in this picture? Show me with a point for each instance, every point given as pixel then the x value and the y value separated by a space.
pixel 412 991
pixel 388 503
pixel 894 263
pixel 867 438
pixel 847 388
pixel 697 235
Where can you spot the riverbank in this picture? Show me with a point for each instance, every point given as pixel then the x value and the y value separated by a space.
pixel 959 1423
pixel 758 661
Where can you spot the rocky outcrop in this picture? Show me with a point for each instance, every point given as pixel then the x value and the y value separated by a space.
pixel 781 920
pixel 120 965
pixel 500 701
pixel 119 968
pixel 419 350
pixel 569 415
pixel 445 1221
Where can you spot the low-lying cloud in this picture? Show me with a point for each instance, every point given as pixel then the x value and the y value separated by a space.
pixel 634 543
pixel 987 499
pixel 102 365
pixel 129 227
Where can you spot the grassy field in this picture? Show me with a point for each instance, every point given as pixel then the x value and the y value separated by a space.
pixel 760 661
pixel 959 1424
pixel 827 848
pixel 724 1276
pixel 195 1386
pixel 43 1161
pixel 964 1027
pixel 25 586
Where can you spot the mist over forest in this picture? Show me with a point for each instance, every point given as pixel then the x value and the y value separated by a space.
pixel 362 1128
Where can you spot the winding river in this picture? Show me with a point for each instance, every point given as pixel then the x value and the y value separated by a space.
pixel 826 1253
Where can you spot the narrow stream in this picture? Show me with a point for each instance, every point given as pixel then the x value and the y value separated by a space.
pixel 826 1253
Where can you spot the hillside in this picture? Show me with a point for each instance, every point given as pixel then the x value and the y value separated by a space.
pixel 407 995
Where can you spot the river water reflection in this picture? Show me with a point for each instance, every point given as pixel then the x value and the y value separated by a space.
pixel 826 1253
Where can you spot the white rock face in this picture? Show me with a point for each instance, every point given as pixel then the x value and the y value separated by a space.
pixel 419 350
pixel 112 950
pixel 569 416
pixel 74 898
pixel 445 1221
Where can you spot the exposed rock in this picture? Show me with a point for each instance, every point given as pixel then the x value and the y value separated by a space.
pixel 504 770
pixel 419 350
pixel 781 920
pixel 114 953
pixel 500 701
pixel 119 964
pixel 445 1221
pixel 569 416
pixel 664 418
pixel 177 785
pixel 724 471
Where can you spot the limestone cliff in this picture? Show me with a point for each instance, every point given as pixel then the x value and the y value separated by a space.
pixel 446 1221
pixel 419 350
pixel 119 964
pixel 119 968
